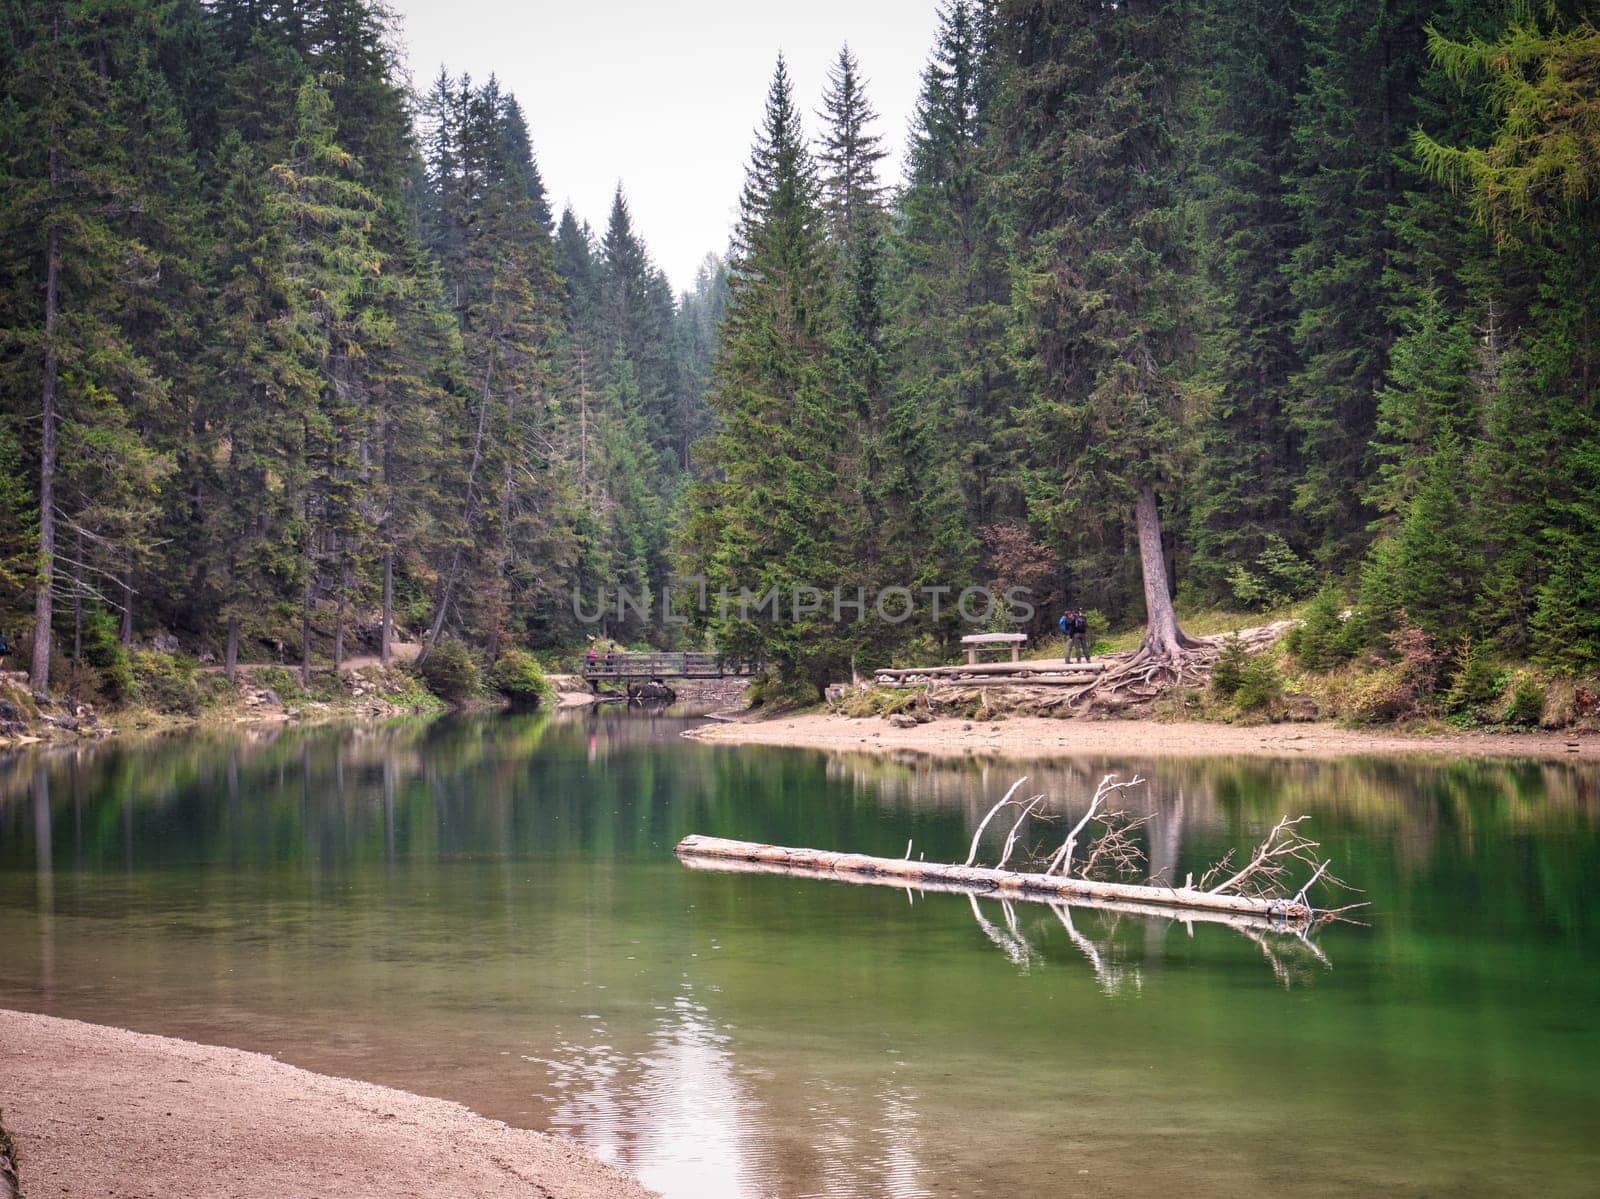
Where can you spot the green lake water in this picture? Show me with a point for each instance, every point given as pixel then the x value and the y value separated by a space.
pixel 489 910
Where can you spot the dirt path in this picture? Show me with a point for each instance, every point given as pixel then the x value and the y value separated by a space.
pixel 1032 737
pixel 105 1112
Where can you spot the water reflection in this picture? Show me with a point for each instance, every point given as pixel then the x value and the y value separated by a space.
pixel 489 910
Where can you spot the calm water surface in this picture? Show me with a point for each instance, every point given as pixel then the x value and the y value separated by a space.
pixel 489 910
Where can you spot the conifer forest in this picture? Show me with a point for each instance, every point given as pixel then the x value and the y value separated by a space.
pixel 299 359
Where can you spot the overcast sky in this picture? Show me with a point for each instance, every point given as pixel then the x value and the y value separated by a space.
pixel 665 95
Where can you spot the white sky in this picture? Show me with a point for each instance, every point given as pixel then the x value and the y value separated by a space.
pixel 666 96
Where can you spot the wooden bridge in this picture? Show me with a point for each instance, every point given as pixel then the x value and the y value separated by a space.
pixel 636 667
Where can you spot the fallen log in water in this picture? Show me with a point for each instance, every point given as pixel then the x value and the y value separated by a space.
pixel 1244 921
pixel 1008 884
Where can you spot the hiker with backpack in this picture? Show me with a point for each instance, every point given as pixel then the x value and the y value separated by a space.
pixel 1074 625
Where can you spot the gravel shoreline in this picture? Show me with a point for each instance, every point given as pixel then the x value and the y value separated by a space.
pixel 1036 737
pixel 107 1112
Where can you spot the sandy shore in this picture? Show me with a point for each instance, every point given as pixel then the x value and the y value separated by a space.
pixel 1032 737
pixel 105 1112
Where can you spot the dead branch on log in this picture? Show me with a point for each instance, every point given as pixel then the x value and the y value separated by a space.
pixel 1062 862
pixel 984 823
pixel 1267 871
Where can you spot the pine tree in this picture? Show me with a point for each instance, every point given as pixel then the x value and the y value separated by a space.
pixel 948 318
pixel 1103 305
pixel 71 197
pixel 262 397
pixel 1351 123
pixel 848 156
pixel 635 324
pixel 1247 461
pixel 1430 567
pixel 764 522
pixel 507 301
pixel 329 264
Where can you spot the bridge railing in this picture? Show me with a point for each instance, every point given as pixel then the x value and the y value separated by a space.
pixel 620 665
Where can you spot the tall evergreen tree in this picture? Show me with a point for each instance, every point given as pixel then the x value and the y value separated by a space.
pixel 848 155
pixel 1352 121
pixel 1103 306
pixel 952 283
pixel 1247 462
pixel 73 199
pixel 763 523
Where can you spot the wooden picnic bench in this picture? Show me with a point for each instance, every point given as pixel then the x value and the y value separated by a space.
pixel 976 642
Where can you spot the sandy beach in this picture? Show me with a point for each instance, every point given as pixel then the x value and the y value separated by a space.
pixel 106 1112
pixel 1032 737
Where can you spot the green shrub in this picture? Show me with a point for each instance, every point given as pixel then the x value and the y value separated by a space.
pixel 1478 681
pixel 1260 685
pixel 1279 575
pixel 281 681
pixel 518 676
pixel 1379 696
pixel 166 682
pixel 451 672
pixel 1325 637
pixel 1228 672
pixel 1526 705
pixel 104 651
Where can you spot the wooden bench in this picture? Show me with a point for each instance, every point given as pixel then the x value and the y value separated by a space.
pixel 975 642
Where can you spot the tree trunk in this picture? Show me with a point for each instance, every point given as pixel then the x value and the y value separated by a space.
pixel 77 602
pixel 126 632
pixel 230 659
pixel 437 627
pixel 305 638
pixel 386 621
pixel 386 631
pixel 338 622
pixel 43 612
pixel 1162 636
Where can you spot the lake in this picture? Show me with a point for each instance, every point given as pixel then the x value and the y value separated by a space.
pixel 489 910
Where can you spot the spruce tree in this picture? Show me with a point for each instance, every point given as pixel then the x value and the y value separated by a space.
pixel 329 265
pixel 947 344
pixel 1352 121
pixel 1247 462
pixel 73 192
pixel 848 156
pixel 1103 304
pixel 764 522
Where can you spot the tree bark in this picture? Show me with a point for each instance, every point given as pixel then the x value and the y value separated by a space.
pixel 386 631
pixel 1162 636
pixel 230 659
pixel 437 627
pixel 44 598
pixel 77 602
pixel 126 632
pixel 305 638
pixel 338 621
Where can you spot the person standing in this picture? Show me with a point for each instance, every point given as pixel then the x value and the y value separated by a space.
pixel 1079 641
